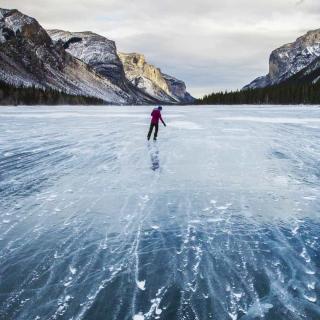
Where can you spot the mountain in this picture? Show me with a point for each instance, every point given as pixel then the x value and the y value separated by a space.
pixel 75 63
pixel 178 89
pixel 301 88
pixel 151 80
pixel 100 54
pixel 309 75
pixel 146 77
pixel 297 84
pixel 28 57
pixel 130 72
pixel 289 59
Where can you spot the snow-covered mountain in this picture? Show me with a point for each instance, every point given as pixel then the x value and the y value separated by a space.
pixel 130 72
pixel 100 54
pixel 28 57
pixel 289 59
pixel 78 63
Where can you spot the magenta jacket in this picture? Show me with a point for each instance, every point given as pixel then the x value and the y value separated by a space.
pixel 156 116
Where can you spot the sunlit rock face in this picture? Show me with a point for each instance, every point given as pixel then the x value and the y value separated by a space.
pixel 151 80
pixel 289 59
pixel 145 76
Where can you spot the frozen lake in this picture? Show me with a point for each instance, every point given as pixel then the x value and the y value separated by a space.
pixel 218 219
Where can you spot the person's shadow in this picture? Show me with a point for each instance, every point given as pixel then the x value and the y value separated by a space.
pixel 154 157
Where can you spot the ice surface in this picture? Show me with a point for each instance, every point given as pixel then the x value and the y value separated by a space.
pixel 219 219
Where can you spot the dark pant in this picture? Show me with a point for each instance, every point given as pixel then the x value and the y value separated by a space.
pixel 156 126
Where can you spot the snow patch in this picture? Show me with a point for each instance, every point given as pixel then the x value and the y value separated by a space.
pixel 138 316
pixel 73 270
pixel 316 80
pixel 141 285
pixel 310 298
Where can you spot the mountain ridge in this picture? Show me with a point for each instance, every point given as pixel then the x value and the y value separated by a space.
pixel 289 59
pixel 294 77
pixel 76 63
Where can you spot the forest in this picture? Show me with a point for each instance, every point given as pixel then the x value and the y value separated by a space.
pixel 277 94
pixel 10 95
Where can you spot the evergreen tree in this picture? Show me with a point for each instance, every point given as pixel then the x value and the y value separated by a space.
pixel 20 95
pixel 277 94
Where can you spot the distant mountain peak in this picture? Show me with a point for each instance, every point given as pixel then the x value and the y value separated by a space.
pixel 289 59
pixel 151 80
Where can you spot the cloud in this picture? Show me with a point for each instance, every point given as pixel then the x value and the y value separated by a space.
pixel 210 44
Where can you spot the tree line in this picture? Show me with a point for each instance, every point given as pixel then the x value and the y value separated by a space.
pixel 277 94
pixel 10 95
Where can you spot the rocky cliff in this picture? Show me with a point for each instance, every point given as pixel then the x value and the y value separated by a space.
pixel 151 80
pixel 178 89
pixel 289 59
pixel 145 76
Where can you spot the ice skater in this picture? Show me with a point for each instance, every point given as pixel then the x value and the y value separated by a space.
pixel 156 116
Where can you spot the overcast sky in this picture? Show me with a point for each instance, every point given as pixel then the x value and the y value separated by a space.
pixel 210 44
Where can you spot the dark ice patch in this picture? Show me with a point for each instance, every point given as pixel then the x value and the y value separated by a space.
pixel 279 155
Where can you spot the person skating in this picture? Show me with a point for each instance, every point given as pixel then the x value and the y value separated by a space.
pixel 156 116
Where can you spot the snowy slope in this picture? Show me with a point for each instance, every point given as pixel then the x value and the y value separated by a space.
pixel 98 52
